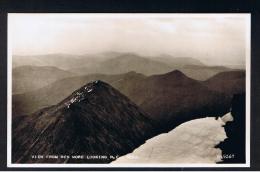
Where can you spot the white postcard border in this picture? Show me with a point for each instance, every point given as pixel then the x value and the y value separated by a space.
pixel 129 165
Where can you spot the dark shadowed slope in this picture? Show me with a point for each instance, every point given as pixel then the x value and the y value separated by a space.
pixel 28 78
pixel 173 98
pixel 233 148
pixel 94 120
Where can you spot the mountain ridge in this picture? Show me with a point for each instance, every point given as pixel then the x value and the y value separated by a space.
pixel 104 63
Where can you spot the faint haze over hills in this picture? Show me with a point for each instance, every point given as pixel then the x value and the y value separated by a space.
pixel 215 39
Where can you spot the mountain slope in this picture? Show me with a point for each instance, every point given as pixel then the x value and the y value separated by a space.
pixel 173 98
pixel 94 120
pixel 230 83
pixel 28 78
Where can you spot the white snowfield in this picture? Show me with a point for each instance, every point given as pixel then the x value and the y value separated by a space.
pixel 190 142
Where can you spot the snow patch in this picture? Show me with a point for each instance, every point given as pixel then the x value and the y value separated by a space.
pixel 227 118
pixel 190 142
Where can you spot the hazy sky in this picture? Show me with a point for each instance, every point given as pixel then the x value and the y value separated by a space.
pixel 214 38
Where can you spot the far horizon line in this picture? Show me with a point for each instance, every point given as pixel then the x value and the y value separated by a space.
pixel 127 52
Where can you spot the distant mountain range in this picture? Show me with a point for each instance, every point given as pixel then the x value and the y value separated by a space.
pixel 66 61
pixel 94 120
pixel 28 78
pixel 118 63
pixel 162 96
pixel 125 63
pixel 62 61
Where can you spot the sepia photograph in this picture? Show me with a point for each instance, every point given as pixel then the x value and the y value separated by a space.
pixel 128 90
